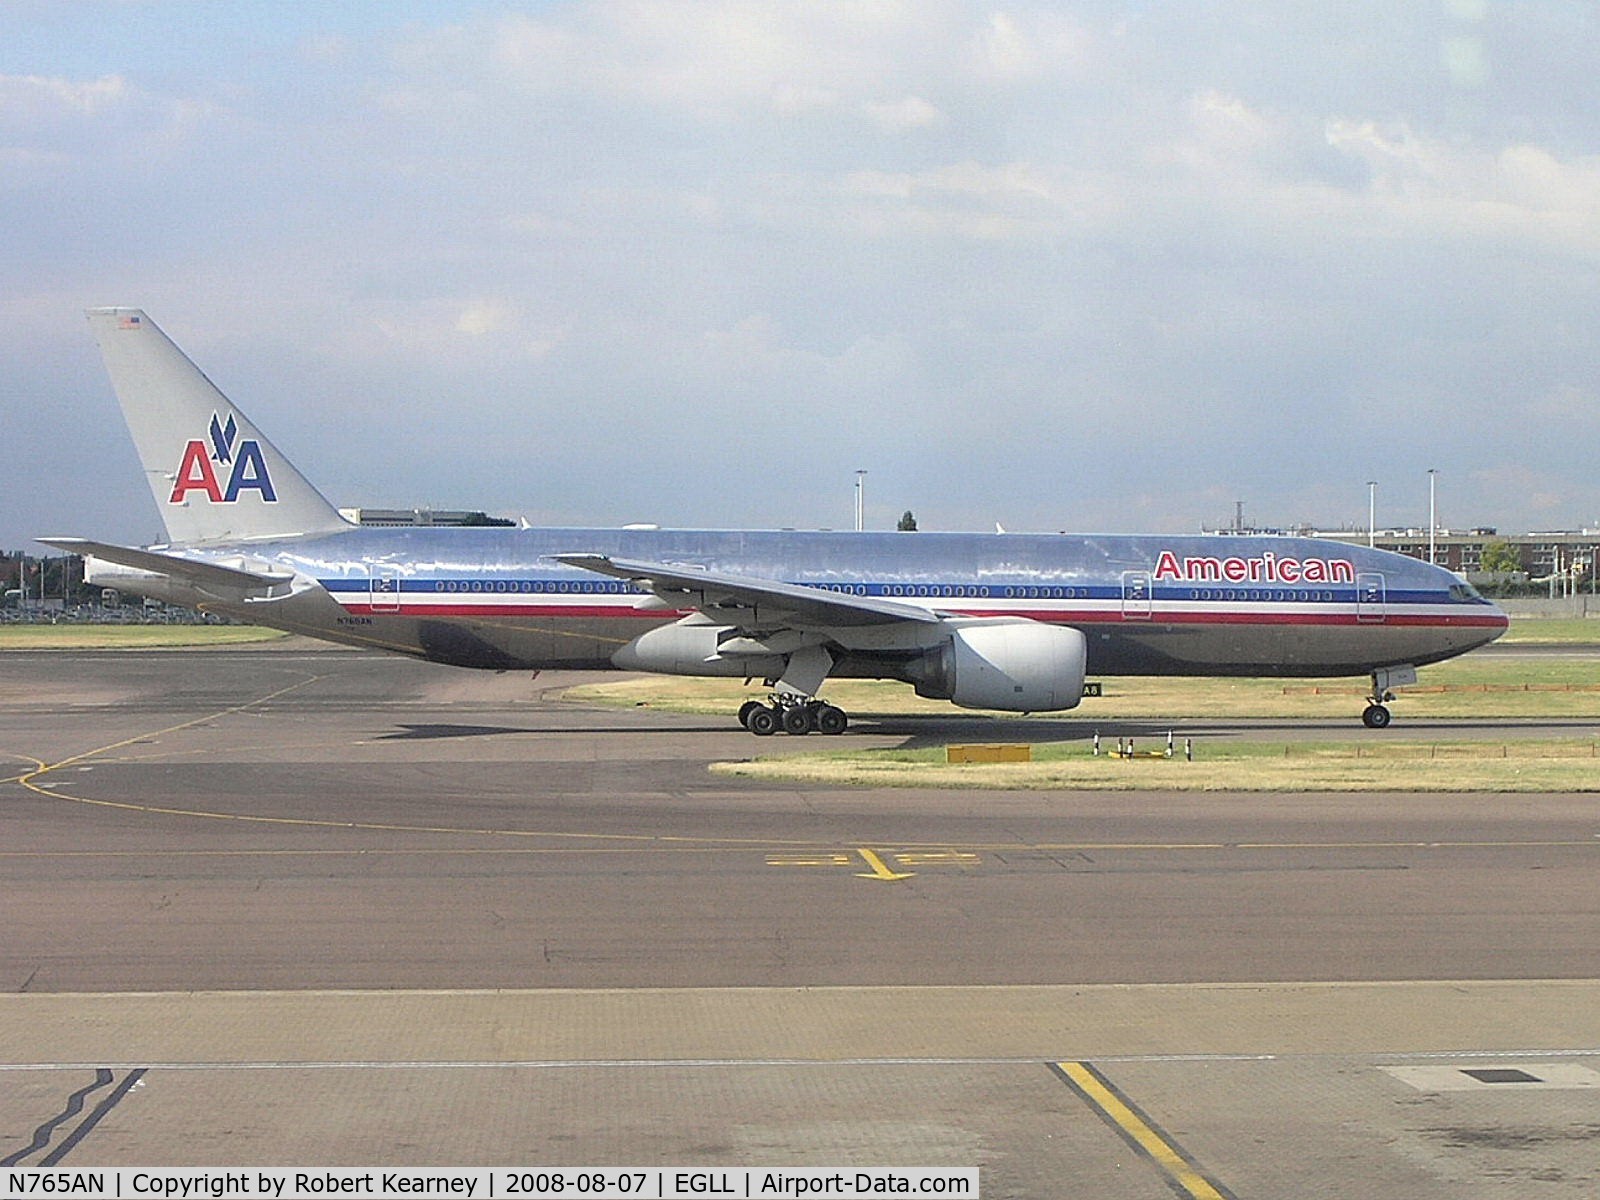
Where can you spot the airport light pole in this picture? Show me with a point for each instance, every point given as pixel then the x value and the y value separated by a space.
pixel 1372 512
pixel 1433 523
pixel 861 500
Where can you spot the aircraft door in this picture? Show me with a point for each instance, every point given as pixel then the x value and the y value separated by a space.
pixel 1371 598
pixel 1136 596
pixel 384 584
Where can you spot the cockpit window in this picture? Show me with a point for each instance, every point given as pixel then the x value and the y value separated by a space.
pixel 1465 593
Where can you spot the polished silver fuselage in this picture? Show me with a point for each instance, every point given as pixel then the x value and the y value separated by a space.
pixel 1147 605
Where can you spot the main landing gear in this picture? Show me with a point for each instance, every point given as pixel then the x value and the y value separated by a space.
pixel 792 706
pixel 794 715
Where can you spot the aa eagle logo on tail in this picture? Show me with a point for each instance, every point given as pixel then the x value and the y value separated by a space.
pixel 241 458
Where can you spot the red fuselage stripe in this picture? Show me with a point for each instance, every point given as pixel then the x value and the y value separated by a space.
pixel 1046 616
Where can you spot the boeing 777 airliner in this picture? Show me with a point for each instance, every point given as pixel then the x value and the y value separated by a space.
pixel 995 621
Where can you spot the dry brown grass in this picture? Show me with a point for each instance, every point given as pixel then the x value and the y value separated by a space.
pixel 129 637
pixel 1561 766
pixel 1485 686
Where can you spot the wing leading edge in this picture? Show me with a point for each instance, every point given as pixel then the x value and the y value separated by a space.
pixel 742 600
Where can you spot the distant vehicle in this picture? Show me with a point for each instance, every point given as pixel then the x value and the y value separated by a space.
pixel 1002 621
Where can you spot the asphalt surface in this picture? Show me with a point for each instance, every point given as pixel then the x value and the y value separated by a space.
pixel 341 908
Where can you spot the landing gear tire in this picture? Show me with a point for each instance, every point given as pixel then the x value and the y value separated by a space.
pixel 831 721
pixel 797 720
pixel 793 715
pixel 1376 717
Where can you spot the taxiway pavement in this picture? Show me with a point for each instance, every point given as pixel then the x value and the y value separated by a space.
pixel 339 908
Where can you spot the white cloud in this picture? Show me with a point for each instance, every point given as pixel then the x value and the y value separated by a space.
pixel 1227 122
pixel 792 99
pixel 485 316
pixel 24 97
pixel 51 124
pixel 474 332
pixel 913 112
pixel 714 60
pixel 1466 60
pixel 1010 181
pixel 755 347
pixel 20 160
pixel 1029 43
pixel 1520 191
pixel 727 61
pixel 1005 49
pixel 1019 202
pixel 1285 236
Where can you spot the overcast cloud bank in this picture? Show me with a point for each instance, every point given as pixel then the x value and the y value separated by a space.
pixel 1079 266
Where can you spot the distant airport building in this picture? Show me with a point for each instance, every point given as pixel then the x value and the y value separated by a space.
pixel 420 516
pixel 1539 555
pixel 1543 555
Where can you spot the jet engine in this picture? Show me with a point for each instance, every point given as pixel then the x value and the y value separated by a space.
pixel 1015 666
pixel 694 646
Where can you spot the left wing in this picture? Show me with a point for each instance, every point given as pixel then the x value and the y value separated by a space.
pixel 741 600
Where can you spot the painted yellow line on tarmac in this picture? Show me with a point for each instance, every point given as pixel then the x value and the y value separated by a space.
pixel 937 858
pixel 880 869
pixel 654 840
pixel 35 782
pixel 45 768
pixel 38 765
pixel 373 852
pixel 1140 1132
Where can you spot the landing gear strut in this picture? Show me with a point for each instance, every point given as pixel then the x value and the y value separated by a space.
pixel 793 706
pixel 1376 715
pixel 795 715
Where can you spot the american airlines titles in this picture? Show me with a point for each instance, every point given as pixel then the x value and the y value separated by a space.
pixel 1265 568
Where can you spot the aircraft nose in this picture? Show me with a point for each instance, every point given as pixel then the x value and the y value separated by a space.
pixel 1493 624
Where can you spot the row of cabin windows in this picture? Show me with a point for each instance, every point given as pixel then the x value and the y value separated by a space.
pixel 929 591
pixel 1272 594
pixel 545 586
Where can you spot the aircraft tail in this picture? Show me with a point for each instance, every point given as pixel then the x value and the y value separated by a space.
pixel 214 476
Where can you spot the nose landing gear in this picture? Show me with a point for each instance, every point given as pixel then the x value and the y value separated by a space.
pixel 1376 714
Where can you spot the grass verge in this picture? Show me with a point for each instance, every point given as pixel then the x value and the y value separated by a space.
pixel 1538 766
pixel 129 637
pixel 1552 631
pixel 1485 686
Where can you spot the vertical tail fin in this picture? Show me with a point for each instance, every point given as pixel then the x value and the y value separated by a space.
pixel 214 476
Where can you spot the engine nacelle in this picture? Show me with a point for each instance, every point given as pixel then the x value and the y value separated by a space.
pixel 1015 666
pixel 691 647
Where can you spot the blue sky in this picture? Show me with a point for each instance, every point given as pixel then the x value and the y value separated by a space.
pixel 1093 266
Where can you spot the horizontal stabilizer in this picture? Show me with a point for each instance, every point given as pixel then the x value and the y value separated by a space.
pixel 196 571
pixel 806 605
